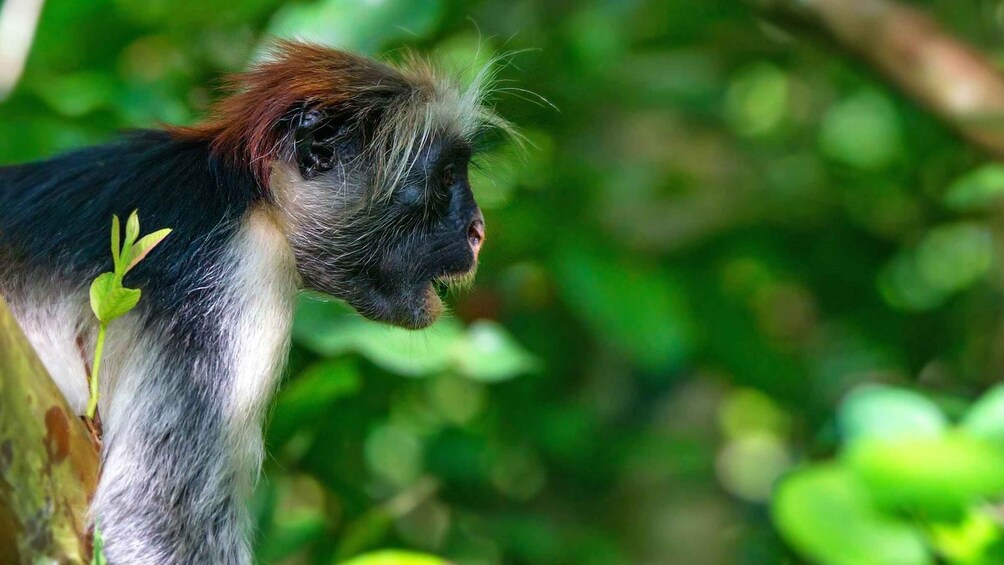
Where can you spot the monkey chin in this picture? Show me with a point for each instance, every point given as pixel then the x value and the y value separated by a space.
pixel 414 305
pixel 413 309
pixel 431 305
pixel 430 311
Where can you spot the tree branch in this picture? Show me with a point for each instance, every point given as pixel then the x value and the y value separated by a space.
pixel 939 71
pixel 48 465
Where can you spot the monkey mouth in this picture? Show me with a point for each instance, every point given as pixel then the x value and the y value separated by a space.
pixel 447 282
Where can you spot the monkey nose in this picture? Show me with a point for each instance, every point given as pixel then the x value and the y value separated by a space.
pixel 476 235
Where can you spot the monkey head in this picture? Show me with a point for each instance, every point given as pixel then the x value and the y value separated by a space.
pixel 387 242
pixel 367 166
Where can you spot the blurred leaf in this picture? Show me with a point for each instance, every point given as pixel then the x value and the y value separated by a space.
pixel 198 14
pixel 902 286
pixel 497 173
pixel 358 25
pixel 826 513
pixel 593 36
pixel 986 418
pixel 949 258
pixel 974 540
pixel 889 413
pixel 293 535
pixel 489 353
pixel 483 352
pixel 366 531
pixel 77 94
pixel 392 557
pixel 748 411
pixel 862 131
pixel 939 476
pixel 309 394
pixel 98 553
pixel 954 256
pixel 976 189
pixel 750 465
pixel 638 309
pixel 757 99
pixel 394 453
pixel 332 329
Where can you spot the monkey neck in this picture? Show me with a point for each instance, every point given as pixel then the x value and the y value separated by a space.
pixel 263 290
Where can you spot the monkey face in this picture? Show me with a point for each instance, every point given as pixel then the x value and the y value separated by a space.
pixel 431 234
pixel 387 248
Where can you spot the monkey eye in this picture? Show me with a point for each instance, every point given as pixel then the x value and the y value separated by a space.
pixel 447 176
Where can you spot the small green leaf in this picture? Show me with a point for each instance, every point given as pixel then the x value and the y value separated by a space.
pixel 825 512
pixel 109 299
pixel 98 557
pixel 144 246
pixel 132 229
pixel 100 288
pixel 116 240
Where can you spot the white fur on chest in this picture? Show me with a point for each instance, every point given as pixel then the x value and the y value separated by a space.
pixel 263 292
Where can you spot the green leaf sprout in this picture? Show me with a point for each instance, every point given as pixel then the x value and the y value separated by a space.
pixel 109 298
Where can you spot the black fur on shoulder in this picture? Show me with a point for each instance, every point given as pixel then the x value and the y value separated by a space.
pixel 55 215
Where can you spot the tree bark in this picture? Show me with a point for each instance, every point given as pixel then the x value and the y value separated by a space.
pixel 941 72
pixel 48 464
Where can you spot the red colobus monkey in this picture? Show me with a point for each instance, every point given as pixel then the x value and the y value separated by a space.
pixel 323 170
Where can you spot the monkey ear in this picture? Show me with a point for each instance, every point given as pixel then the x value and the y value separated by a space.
pixel 315 141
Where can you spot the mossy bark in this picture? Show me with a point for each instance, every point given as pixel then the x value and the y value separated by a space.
pixel 48 463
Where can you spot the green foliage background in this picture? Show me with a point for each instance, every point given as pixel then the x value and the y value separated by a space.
pixel 719 233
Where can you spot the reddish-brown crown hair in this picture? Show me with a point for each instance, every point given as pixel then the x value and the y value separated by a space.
pixel 252 125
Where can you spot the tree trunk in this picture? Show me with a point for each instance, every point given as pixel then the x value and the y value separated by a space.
pixel 48 464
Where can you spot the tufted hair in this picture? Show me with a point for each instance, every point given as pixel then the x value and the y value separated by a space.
pixel 408 103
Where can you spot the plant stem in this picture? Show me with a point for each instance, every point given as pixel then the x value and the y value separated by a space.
pixel 98 556
pixel 92 403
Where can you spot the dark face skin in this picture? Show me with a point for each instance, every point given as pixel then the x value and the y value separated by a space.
pixel 387 255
